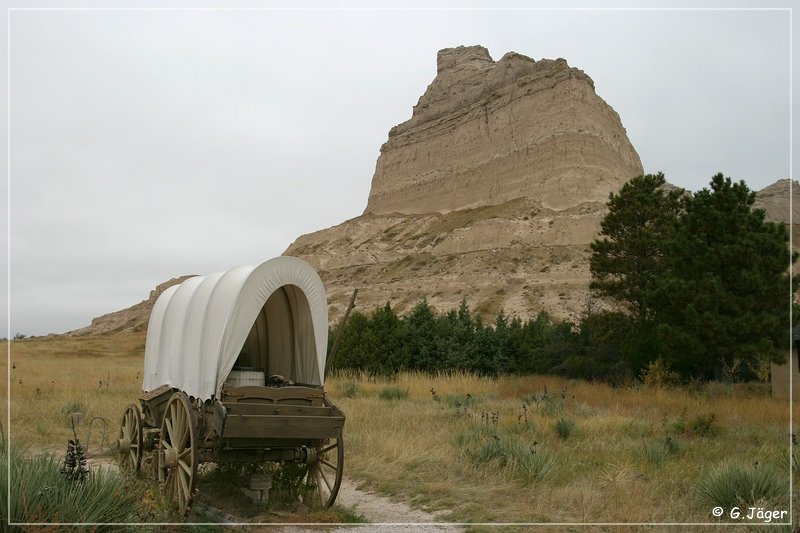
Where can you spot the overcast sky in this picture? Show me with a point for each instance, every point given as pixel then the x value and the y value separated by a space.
pixel 147 144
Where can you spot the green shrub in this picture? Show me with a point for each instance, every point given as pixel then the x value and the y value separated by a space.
pixel 703 425
pixel 564 427
pixel 733 485
pixel 658 374
pixel 392 393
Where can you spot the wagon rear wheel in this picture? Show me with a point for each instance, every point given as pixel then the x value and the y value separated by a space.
pixel 177 456
pixel 129 440
pixel 325 473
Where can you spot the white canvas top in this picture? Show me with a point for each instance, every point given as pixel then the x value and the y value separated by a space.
pixel 273 316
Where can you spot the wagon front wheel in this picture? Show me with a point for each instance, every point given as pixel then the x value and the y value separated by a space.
pixel 129 440
pixel 177 454
pixel 325 472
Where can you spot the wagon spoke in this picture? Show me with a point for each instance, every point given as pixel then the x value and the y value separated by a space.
pixel 329 448
pixel 186 468
pixel 179 427
pixel 320 490
pixel 325 479
pixel 168 423
pixel 326 463
pixel 184 485
pixel 184 453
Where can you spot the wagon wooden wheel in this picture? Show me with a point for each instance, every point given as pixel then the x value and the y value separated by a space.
pixel 129 439
pixel 177 456
pixel 325 472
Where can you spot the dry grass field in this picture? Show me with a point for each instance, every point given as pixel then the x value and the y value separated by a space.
pixel 500 450
pixel 508 449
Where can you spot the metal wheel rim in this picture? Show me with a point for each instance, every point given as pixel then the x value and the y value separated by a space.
pixel 131 430
pixel 178 437
pixel 325 474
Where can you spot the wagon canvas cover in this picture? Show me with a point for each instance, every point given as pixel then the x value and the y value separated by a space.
pixel 274 314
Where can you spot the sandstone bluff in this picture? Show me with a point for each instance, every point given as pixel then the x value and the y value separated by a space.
pixel 491 191
pixel 486 132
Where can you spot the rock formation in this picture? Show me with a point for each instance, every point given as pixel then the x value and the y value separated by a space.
pixel 775 200
pixel 486 132
pixel 491 191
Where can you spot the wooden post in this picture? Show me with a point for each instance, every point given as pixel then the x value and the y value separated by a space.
pixel 340 332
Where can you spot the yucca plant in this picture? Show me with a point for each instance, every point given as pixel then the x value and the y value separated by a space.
pixel 733 485
pixel 40 493
pixel 564 427
pixel 657 451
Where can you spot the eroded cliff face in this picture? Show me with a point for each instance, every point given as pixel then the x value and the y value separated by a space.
pixel 517 256
pixel 486 132
pixel 775 200
pixel 491 192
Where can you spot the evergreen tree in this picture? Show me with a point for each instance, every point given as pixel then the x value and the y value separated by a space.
pixel 724 297
pixel 387 331
pixel 420 345
pixel 629 254
pixel 355 348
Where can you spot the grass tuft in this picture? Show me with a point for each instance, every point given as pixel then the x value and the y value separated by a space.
pixel 564 427
pixel 39 493
pixel 392 393
pixel 657 451
pixel 347 388
pixel 733 485
pixel 490 448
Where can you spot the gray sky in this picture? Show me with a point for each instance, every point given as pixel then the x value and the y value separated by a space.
pixel 150 144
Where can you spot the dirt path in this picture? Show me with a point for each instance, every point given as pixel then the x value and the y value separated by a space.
pixel 382 513
pixel 379 509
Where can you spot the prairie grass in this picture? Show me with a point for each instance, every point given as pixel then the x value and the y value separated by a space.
pixel 458 442
pixel 51 378
pixel 482 449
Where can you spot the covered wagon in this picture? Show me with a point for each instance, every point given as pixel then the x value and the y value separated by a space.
pixel 234 371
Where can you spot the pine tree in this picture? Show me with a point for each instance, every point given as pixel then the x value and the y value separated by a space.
pixel 629 254
pixel 724 297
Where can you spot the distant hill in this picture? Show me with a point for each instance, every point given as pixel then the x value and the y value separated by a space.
pixel 133 318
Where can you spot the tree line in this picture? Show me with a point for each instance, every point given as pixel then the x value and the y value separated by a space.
pixel 697 285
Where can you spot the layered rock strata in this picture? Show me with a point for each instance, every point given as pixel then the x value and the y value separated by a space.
pixel 491 193
pixel 486 132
